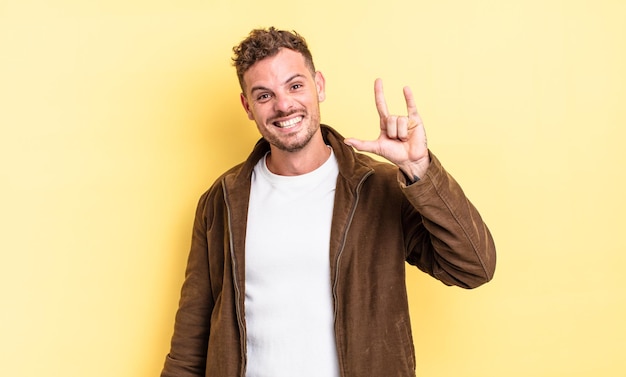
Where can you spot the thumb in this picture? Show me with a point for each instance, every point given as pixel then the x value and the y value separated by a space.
pixel 362 145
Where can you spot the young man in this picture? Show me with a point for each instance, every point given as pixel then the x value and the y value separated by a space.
pixel 298 254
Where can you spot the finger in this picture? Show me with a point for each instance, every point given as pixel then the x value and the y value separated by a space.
pixel 362 145
pixel 411 108
pixel 381 104
pixel 392 126
pixel 403 128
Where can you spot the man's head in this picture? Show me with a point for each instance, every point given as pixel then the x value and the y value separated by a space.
pixel 281 90
pixel 263 43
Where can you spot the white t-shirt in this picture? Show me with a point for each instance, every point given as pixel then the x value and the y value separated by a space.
pixel 288 303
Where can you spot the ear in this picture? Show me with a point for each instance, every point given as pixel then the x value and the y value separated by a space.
pixel 320 84
pixel 246 106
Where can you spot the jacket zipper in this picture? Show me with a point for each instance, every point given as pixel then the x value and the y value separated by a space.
pixel 341 248
pixel 236 284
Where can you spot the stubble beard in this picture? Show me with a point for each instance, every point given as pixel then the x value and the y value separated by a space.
pixel 296 142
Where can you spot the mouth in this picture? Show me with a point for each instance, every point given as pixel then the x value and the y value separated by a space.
pixel 288 123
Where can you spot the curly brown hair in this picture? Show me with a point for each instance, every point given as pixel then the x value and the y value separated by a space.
pixel 263 43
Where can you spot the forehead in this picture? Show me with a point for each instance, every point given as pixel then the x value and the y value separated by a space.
pixel 276 69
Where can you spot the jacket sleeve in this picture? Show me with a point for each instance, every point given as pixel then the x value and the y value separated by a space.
pixel 445 235
pixel 188 352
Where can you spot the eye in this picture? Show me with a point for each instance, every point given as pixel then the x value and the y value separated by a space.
pixel 296 86
pixel 263 97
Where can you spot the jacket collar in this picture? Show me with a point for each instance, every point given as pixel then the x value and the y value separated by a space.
pixel 351 168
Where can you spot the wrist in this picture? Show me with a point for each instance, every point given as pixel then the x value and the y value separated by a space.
pixel 415 171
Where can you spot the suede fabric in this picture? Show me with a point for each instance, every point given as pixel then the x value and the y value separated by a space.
pixel 379 224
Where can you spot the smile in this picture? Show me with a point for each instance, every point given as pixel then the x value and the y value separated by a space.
pixel 288 123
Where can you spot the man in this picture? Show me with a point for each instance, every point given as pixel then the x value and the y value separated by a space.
pixel 298 254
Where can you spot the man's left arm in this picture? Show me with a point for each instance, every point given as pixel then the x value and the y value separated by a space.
pixel 445 235
pixel 449 240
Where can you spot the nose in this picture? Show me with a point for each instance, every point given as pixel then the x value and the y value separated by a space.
pixel 283 102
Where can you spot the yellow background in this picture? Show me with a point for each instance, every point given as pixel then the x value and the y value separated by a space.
pixel 116 115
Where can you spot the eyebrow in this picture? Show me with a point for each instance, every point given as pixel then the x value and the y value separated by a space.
pixel 260 87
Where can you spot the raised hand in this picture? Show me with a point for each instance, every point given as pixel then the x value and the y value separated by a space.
pixel 402 139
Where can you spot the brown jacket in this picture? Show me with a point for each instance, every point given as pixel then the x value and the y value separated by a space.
pixel 379 223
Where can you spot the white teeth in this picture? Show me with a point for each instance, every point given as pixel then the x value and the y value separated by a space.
pixel 288 123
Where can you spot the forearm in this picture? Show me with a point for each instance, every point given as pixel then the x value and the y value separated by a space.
pixel 458 249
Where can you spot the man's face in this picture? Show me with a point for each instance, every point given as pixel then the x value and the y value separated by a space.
pixel 282 96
